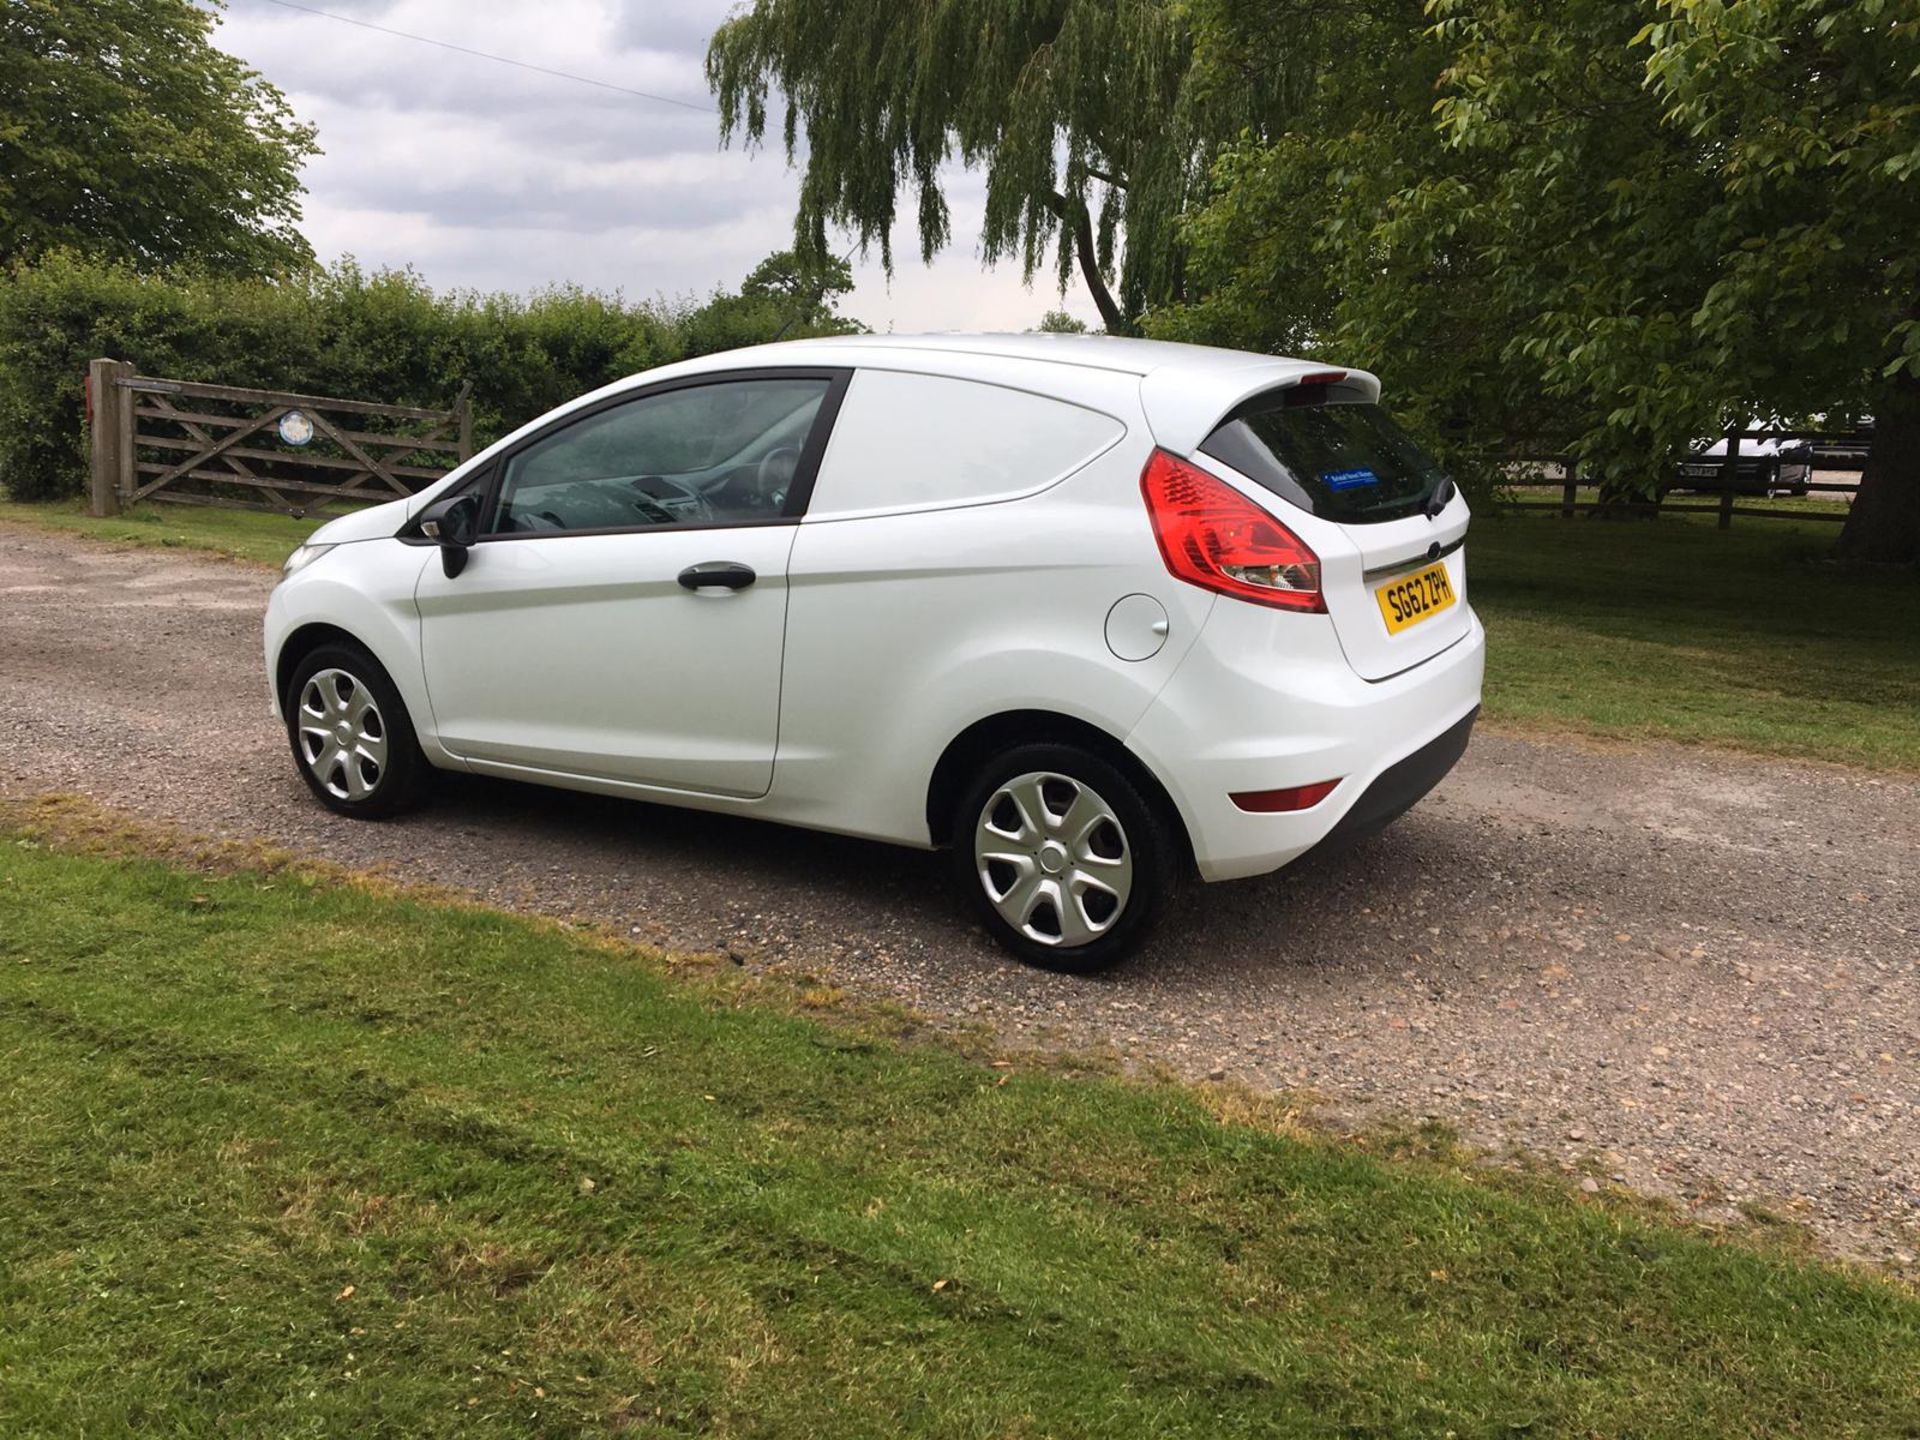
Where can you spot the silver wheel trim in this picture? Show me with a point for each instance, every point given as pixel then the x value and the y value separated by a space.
pixel 343 736
pixel 1047 847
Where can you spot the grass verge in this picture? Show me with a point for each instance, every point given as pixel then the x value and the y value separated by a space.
pixel 250 535
pixel 295 1156
pixel 1674 630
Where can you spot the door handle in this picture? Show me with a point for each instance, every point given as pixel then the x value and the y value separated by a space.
pixel 720 574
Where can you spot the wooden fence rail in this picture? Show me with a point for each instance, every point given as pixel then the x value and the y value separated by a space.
pixel 1726 490
pixel 192 443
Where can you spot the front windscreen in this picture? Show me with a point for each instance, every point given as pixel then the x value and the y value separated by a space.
pixel 1341 459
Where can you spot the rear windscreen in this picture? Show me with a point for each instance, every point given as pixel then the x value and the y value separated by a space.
pixel 1341 459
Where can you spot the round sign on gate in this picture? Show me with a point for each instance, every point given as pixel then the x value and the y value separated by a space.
pixel 295 428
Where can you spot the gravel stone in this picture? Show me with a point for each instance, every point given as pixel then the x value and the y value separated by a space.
pixel 1700 966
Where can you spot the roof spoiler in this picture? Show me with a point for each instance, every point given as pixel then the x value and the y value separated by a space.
pixel 1184 408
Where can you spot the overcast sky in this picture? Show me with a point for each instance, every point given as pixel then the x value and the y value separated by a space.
pixel 481 174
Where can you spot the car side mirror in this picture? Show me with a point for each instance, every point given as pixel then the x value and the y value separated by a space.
pixel 452 524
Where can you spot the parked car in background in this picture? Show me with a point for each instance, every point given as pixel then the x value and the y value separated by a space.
pixel 1090 613
pixel 1763 464
pixel 1844 448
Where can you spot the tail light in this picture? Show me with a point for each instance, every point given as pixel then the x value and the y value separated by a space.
pixel 1213 536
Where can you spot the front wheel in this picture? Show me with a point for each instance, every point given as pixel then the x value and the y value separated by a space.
pixel 1067 864
pixel 351 735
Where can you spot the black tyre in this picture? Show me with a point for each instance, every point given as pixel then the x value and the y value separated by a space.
pixel 352 739
pixel 1067 863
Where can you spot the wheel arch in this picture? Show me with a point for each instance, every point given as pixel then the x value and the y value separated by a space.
pixel 302 642
pixel 973 746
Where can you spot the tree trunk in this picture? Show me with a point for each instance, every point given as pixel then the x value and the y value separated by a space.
pixel 1081 223
pixel 1884 523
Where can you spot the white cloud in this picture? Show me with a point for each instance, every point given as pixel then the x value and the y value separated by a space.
pixel 484 175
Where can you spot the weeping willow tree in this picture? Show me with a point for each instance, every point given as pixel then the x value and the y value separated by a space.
pixel 1091 120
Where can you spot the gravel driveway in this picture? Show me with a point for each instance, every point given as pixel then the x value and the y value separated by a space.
pixel 1696 972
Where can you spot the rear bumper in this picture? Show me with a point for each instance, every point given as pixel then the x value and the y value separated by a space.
pixel 1401 786
pixel 1255 707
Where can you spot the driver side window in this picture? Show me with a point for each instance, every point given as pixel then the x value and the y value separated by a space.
pixel 704 455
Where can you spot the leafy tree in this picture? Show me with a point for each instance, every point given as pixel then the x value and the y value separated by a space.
pixel 125 134
pixel 1089 117
pixel 1806 113
pixel 1320 239
pixel 783 298
pixel 808 288
pixel 1703 220
pixel 1059 322
pixel 1579 210
pixel 1616 235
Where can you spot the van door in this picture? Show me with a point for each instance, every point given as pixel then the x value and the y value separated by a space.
pixel 624 614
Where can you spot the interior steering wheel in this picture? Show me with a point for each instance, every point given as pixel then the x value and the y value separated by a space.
pixel 771 480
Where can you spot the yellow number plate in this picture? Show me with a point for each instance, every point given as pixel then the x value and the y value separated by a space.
pixel 1409 601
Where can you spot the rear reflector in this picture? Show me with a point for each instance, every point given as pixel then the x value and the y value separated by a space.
pixel 1294 797
pixel 1212 536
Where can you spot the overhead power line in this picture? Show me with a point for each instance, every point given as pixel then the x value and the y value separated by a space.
pixel 497 59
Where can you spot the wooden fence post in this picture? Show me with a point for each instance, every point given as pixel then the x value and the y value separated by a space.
pixel 1570 492
pixel 1729 475
pixel 110 409
pixel 463 411
pixel 125 426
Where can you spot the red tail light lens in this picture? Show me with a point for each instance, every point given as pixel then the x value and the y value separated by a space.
pixel 1213 536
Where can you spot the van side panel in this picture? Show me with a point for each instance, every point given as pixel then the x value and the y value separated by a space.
pixel 905 442
pixel 905 628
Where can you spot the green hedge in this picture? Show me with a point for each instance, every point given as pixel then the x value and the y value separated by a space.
pixel 341 332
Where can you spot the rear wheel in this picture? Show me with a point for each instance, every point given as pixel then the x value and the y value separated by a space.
pixel 1067 864
pixel 351 736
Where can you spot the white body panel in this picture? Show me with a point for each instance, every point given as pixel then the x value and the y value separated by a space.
pixel 365 590
pixel 1019 604
pixel 878 630
pixel 1208 735
pixel 582 654
pixel 907 442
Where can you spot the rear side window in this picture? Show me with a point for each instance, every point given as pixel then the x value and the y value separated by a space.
pixel 922 442
pixel 1341 459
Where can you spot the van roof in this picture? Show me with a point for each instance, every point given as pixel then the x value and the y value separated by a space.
pixel 1094 352
pixel 1184 389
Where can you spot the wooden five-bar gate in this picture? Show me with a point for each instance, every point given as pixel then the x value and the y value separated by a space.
pixel 191 443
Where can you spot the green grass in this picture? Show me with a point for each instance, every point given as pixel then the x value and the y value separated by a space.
pixel 1668 629
pixel 249 535
pixel 288 1157
pixel 1673 629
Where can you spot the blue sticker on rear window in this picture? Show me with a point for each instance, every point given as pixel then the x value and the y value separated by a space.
pixel 1349 479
